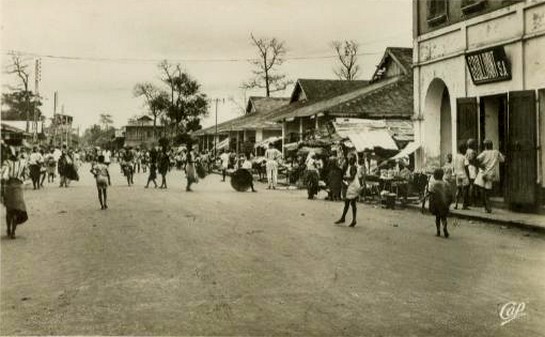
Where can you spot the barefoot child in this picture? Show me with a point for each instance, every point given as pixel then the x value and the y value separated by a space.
pixel 102 176
pixel 440 195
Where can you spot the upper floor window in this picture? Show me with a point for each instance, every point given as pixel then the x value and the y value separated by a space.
pixel 437 11
pixel 471 6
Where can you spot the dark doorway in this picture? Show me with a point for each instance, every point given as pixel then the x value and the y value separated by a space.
pixel 493 126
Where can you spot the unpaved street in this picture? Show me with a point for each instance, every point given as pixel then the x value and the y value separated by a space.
pixel 219 262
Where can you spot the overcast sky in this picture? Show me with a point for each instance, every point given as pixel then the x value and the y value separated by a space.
pixel 120 42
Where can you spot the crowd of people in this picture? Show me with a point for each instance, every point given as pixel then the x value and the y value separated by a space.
pixel 37 163
pixel 467 177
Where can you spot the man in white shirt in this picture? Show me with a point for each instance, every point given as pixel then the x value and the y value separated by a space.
pixel 224 157
pixel 34 164
pixel 107 157
pixel 272 156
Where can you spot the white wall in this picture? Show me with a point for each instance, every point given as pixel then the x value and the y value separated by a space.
pixel 440 55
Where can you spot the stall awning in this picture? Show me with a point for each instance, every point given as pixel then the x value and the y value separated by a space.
pixel 223 144
pixel 371 139
pixel 410 148
pixel 265 143
pixel 291 146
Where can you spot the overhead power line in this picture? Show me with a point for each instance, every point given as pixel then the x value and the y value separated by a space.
pixel 155 60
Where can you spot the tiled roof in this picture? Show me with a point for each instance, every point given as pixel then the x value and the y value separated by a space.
pixel 316 89
pixel 391 97
pixel 257 104
pixel 258 119
pixel 394 100
pixel 403 55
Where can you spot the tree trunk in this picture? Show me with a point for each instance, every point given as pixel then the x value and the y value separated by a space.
pixel 267 88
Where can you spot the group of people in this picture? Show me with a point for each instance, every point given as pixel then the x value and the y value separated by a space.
pixel 474 174
pixel 469 173
pixel 18 165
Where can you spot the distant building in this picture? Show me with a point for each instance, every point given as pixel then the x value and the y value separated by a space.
pixel 139 133
pixel 253 127
pixel 479 73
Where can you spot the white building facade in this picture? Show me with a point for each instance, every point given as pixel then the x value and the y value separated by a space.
pixel 479 73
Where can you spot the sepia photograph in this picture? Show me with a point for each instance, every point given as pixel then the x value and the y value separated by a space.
pixel 272 168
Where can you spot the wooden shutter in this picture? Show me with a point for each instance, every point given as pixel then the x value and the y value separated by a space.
pixel 522 149
pixel 467 115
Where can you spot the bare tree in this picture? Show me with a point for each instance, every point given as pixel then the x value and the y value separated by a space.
pixel 20 69
pixel 271 54
pixel 347 53
pixel 106 120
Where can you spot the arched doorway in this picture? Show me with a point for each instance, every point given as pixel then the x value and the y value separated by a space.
pixel 437 137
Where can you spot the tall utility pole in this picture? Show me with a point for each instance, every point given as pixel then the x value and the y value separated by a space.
pixel 37 79
pixel 55 120
pixel 216 132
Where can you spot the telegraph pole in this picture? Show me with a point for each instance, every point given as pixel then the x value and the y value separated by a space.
pixel 37 79
pixel 217 100
pixel 55 121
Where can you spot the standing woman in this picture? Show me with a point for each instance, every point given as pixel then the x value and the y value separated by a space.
pixel 163 164
pixel 351 190
pixel 190 172
pixel 13 175
pixel 489 171
pixel 152 162
pixel 64 167
pixel 335 178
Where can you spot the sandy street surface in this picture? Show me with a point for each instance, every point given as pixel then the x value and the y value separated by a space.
pixel 219 262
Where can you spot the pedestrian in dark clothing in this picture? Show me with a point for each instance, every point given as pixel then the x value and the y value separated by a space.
pixel 163 165
pixel 440 195
pixel 335 178
pixel 152 162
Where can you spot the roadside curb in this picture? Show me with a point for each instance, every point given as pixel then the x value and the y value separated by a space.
pixel 498 219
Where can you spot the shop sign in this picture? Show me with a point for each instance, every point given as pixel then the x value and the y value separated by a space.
pixel 488 65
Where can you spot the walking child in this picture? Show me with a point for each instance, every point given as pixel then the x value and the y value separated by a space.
pixel 440 195
pixel 102 176
pixel 351 190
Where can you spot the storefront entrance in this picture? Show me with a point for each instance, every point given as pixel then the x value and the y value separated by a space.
pixel 493 126
pixel 509 121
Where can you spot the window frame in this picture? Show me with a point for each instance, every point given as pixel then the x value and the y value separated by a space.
pixel 435 18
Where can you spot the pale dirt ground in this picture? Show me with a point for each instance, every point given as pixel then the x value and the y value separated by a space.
pixel 219 262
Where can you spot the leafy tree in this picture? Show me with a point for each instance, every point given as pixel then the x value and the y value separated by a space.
pixel 270 55
pixel 347 55
pixel 21 102
pixel 15 105
pixel 97 136
pixel 187 103
pixel 157 100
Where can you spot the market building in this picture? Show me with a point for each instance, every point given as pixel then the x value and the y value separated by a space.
pixel 247 131
pixel 479 73
pixel 385 102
